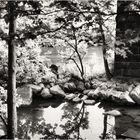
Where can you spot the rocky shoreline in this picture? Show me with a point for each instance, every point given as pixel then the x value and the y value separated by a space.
pixel 120 93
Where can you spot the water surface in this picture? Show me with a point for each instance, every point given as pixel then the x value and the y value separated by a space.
pixel 55 120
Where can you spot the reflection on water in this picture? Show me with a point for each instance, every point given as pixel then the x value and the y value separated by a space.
pixel 64 121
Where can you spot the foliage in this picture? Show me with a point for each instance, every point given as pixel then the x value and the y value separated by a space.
pixel 127 33
pixel 84 29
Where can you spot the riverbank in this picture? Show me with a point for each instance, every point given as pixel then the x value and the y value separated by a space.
pixel 121 92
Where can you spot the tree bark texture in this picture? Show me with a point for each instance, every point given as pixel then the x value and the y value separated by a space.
pixel 11 97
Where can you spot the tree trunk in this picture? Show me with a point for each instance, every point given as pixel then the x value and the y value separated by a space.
pixel 107 70
pixel 11 100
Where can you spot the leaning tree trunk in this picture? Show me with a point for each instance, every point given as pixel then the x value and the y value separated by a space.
pixel 11 97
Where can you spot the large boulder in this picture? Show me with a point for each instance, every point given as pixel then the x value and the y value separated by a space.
pixel 135 94
pixel 24 95
pixel 57 91
pixel 45 93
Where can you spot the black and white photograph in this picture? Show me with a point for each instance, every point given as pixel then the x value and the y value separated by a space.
pixel 70 69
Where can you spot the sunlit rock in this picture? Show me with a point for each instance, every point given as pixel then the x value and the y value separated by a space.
pixel 94 93
pixel 85 92
pixel 113 113
pixel 70 87
pixel 35 88
pixel 57 91
pixel 84 97
pixel 90 93
pixel 45 93
pixel 76 100
pixel 131 133
pixel 24 95
pixel 41 85
pixel 122 98
pixel 89 102
pixel 135 94
pixel 70 96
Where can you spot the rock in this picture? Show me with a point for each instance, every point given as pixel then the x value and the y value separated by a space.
pixel 91 92
pixel 94 93
pixel 131 87
pixel 122 87
pixel 41 85
pixel 135 94
pixel 48 86
pixel 85 92
pixel 35 88
pixel 57 91
pixel 25 95
pixel 70 87
pixel 80 86
pixel 131 133
pixel 70 96
pixel 103 86
pixel 103 94
pixel 46 93
pixel 84 97
pixel 76 100
pixel 126 99
pixel 52 84
pixel 122 98
pixel 113 113
pixel 90 102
